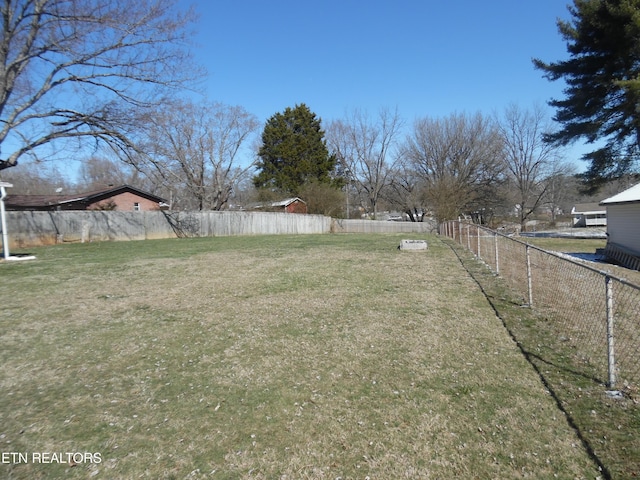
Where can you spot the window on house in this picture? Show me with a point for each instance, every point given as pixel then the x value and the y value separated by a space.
pixel 136 207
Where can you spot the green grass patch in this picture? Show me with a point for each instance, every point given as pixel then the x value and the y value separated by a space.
pixel 321 356
pixel 566 244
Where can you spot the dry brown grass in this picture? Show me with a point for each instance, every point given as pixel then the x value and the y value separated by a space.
pixel 269 357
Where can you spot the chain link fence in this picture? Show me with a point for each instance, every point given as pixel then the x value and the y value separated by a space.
pixel 596 312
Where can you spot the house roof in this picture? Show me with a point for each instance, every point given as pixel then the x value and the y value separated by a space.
pixel 630 195
pixel 587 208
pixel 287 202
pixel 34 201
pixel 40 201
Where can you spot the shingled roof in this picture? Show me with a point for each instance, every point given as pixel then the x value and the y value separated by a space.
pixel 630 195
pixel 78 201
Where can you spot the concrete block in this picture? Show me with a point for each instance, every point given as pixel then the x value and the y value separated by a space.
pixel 413 245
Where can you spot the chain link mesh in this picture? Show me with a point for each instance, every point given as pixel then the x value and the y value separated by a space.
pixel 597 314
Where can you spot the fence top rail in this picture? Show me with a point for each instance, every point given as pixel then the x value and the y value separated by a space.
pixel 604 273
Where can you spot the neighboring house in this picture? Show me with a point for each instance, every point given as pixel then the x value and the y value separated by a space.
pixel 124 198
pixel 589 215
pixel 289 205
pixel 623 227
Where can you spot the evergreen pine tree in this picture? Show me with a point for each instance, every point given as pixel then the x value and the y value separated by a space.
pixel 293 152
pixel 603 84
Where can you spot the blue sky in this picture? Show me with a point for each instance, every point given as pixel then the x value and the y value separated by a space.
pixel 427 58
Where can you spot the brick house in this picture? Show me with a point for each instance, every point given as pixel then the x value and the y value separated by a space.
pixel 124 198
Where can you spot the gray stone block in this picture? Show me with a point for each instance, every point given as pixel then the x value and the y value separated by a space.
pixel 413 245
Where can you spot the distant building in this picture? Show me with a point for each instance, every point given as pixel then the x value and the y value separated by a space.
pixel 623 228
pixel 589 215
pixel 124 198
pixel 289 205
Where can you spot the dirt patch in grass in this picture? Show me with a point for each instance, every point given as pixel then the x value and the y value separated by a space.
pixel 290 357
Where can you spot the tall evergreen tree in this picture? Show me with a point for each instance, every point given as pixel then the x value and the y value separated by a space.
pixel 293 152
pixel 602 102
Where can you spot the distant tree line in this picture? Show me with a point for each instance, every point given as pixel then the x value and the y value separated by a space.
pixel 109 77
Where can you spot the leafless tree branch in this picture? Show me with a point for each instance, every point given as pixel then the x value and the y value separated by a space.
pixel 77 68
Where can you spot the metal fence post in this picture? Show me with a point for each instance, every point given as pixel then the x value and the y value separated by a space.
pixel 495 241
pixel 610 335
pixel 529 283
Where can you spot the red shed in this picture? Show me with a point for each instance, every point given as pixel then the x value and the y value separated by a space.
pixel 291 205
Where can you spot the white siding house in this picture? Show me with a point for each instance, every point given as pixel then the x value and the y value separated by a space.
pixel 589 215
pixel 623 225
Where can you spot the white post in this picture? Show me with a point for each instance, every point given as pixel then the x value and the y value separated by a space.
pixel 529 282
pixel 3 220
pixel 469 238
pixel 495 239
pixel 610 338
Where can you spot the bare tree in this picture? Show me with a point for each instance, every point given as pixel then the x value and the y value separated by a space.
pixel 406 190
pixel 561 189
pixel 528 159
pixel 459 159
pixel 83 69
pixel 194 149
pixel 44 181
pixel 100 172
pixel 363 145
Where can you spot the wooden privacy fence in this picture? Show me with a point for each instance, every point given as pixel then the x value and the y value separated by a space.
pixel 30 228
pixel 27 229
pixel 597 312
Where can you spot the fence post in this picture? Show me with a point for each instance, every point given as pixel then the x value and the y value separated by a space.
pixel 469 237
pixel 529 283
pixel 459 232
pixel 610 336
pixel 495 241
pixel 478 232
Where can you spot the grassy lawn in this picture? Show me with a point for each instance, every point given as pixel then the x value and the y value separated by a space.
pixel 607 426
pixel 333 356
pixel 583 245
pixel 566 244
